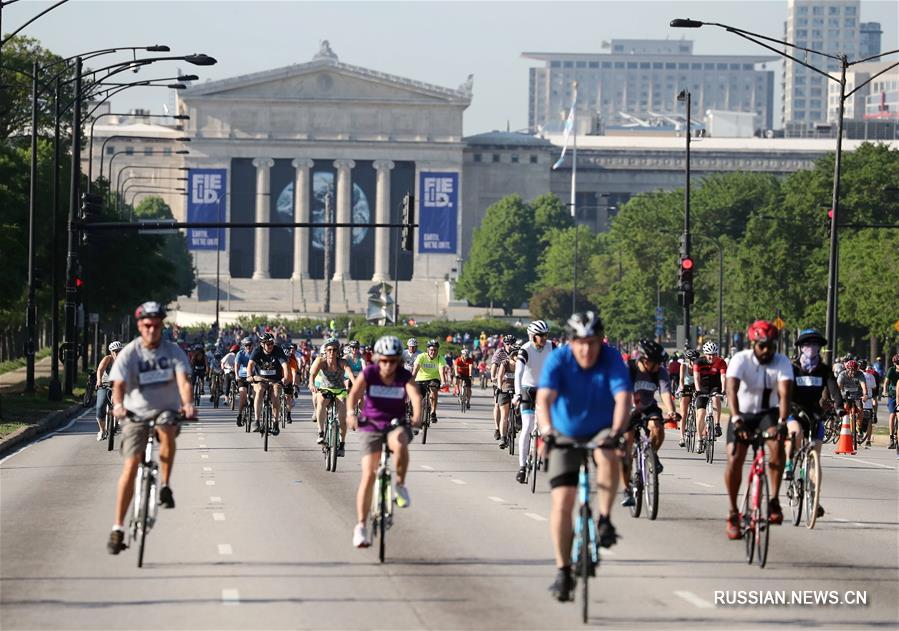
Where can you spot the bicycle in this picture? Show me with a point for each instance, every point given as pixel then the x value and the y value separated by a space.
pixel 215 387
pixel 464 396
pixel 249 412
pixel 484 379
pixel 755 528
pixel 861 428
pixel 426 415
pixel 514 427
pixel 233 395
pixel 831 426
pixel 90 388
pixel 534 462
pixel 267 424
pixel 146 490
pixel 690 426
pixel 644 480
pixel 805 484
pixel 711 421
pixel 111 424
pixel 380 517
pixel 332 432
pixel 198 387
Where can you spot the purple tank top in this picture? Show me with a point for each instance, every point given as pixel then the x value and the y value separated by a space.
pixel 383 403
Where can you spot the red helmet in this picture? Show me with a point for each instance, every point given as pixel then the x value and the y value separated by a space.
pixel 234 348
pixel 761 331
pixel 851 365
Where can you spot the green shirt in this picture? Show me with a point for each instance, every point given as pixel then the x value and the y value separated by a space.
pixel 892 377
pixel 428 368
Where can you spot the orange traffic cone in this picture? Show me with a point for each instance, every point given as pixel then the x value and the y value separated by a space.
pixel 670 424
pixel 844 445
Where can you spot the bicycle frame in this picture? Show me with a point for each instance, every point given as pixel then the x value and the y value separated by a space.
pixel 753 518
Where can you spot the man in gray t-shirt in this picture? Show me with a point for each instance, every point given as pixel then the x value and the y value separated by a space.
pixel 150 376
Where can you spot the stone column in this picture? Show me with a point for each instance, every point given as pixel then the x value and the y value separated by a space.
pixel 344 239
pixel 382 215
pixel 263 215
pixel 302 214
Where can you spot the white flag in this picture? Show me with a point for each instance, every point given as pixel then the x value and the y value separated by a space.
pixel 569 127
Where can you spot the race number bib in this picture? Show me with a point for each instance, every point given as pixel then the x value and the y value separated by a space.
pixel 268 373
pixel 159 375
pixel 809 381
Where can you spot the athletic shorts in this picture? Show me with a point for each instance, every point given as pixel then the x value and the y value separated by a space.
pixel 687 390
pixel 136 433
pixel 891 405
pixel 503 398
pixel 423 386
pixel 762 422
pixel 652 413
pixel 565 464
pixel 371 442
pixel 803 420
pixel 702 398
pixel 242 382
pixel 528 400
pixel 466 381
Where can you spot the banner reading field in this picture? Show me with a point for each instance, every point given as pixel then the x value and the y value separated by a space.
pixel 438 209
pixel 206 202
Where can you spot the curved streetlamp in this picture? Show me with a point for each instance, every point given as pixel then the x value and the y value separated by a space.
pixel 130 137
pixel 181 152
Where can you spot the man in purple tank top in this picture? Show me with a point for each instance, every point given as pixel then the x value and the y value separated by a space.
pixel 383 388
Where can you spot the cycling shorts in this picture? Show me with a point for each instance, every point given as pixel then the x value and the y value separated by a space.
pixel 528 400
pixel 891 405
pixel 651 413
pixel 565 463
pixel 702 398
pixel 762 421
pixel 465 381
pixel 503 397
pixel 371 442
pixel 687 390
pixel 136 433
pixel 817 422
pixel 424 386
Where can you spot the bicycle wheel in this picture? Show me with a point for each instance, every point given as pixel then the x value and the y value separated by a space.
pixel 747 515
pixel 533 464
pixel 266 425
pixel 143 515
pixel 762 527
pixel 89 389
pixel 651 483
pixel 333 442
pixel 636 487
pixel 709 439
pixel 110 429
pixel 512 434
pixel 585 562
pixel 691 430
pixel 248 416
pixel 812 483
pixel 383 507
pixel 795 491
pixel 233 395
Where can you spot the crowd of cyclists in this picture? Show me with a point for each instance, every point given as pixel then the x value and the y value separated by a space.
pixel 566 391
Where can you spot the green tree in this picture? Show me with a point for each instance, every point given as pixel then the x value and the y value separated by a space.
pixel 556 268
pixel 500 268
pixel 554 304
pixel 549 214
pixel 174 245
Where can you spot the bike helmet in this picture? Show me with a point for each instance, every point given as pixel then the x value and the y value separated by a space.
pixel 389 346
pixel 761 331
pixel 862 364
pixel 851 365
pixel 353 344
pixel 538 327
pixel 710 348
pixel 585 324
pixel 234 348
pixel 691 355
pixel 433 344
pixel 149 310
pixel 196 348
pixel 895 358
pixel 465 352
pixel 331 341
pixel 508 340
pixel 266 338
pixel 410 342
pixel 650 350
pixel 246 342
pixel 115 347
pixel 810 336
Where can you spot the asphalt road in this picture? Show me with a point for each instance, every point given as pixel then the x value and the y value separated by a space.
pixel 263 541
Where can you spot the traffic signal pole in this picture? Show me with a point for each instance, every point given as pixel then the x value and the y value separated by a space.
pixel 685 254
pixel 71 338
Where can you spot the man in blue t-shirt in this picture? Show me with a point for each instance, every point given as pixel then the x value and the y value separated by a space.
pixel 584 389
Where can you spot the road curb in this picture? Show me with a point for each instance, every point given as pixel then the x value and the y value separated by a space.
pixel 47 424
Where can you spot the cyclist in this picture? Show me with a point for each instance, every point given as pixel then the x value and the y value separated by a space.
pixel 103 387
pixel 709 374
pixel 888 389
pixel 674 371
pixel 427 371
pixel 462 372
pixel 813 383
pixel 854 389
pixel 293 375
pixel 410 354
pixel 584 389
pixel 267 368
pixel 385 387
pixel 500 356
pixel 199 365
pixel 241 361
pixel 211 363
pixel 759 382
pixel 330 373
pixel 687 389
pixel 354 359
pixel 505 392
pixel 531 359
pixel 870 404
pixel 648 376
pixel 227 365
pixel 150 376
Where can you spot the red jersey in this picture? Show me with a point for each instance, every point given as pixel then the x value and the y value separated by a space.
pixel 463 366
pixel 708 371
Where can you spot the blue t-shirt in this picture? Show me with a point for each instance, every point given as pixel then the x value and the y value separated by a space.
pixel 241 360
pixel 585 403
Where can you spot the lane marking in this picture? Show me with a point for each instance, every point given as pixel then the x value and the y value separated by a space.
pixel 207 468
pixel 230 597
pixel 458 481
pixel 535 516
pixel 84 416
pixel 204 456
pixel 853 459
pixel 202 446
pixel 708 486
pixel 498 500
pixel 841 520
pixel 225 549
pixel 210 482
pixel 694 600
pixel 218 516
pixel 215 499
pixel 427 468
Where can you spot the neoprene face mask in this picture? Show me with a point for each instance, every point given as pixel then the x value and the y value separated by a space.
pixel 808 356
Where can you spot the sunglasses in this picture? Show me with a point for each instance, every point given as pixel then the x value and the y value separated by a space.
pixel 388 360
pixel 765 345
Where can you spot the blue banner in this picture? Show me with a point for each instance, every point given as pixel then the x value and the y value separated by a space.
pixel 206 203
pixel 438 207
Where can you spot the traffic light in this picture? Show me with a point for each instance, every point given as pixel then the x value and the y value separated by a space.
pixel 685 279
pixel 408 242
pixel 91 207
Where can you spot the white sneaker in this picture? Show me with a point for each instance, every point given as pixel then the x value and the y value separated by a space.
pixel 360 536
pixel 99 436
pixel 402 496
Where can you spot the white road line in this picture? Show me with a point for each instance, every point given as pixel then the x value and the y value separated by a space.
pixel 215 499
pixel 535 516
pixel 204 456
pixel 230 597
pixel 694 600
pixel 207 468
pixel 841 520
pixel 708 486
pixel 202 446
pixel 225 549
pixel 458 481
pixel 81 417
pixel 854 459
pixel 427 468
pixel 498 500
pixel 210 482
pixel 218 516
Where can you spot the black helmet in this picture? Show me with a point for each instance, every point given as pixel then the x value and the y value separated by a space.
pixel 585 324
pixel 267 337
pixel 810 336
pixel 149 310
pixel 650 350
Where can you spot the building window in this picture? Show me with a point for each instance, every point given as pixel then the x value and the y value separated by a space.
pixel 721 66
pixel 568 64
pixel 833 10
pixel 555 64
pixel 619 64
pixel 849 10
pixel 533 159
pixel 683 66
pixel 476 157
pixel 594 64
pixel 110 149
pixel 645 65
pixel 708 66
pixel 606 64
pixel 670 66
pixel 695 66
pixel 632 65
pixel 148 151
pixel 849 22
pixel 817 10
pixel 514 158
pixel 129 151
pixel 684 50
pixel 581 64
pixel 167 151
pixel 496 157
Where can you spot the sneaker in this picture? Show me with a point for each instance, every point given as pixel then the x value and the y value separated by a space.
pixel 659 466
pixel 628 497
pixel 733 527
pixel 681 443
pixel 468 405
pixel 606 534
pixel 775 514
pixel 701 448
pixel 257 427
pixel 276 429
pixel 522 476
pixel 868 445
pixel 239 420
pixel 100 436
pixel 116 542
pixel 433 418
pixel 402 496
pixel 504 443
pixel 360 536
pixel 289 420
pixel 892 442
pixel 788 471
pixel 717 431
pixel 341 450
pixel 562 586
pixel 820 512
pixel 166 498
pixel 497 436
pixel 321 439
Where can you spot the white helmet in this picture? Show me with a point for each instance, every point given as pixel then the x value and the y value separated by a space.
pixel 115 346
pixel 411 342
pixel 710 348
pixel 389 346
pixel 538 327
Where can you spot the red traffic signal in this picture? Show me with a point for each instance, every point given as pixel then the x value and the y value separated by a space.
pixel 79 282
pixel 830 213
pixel 686 263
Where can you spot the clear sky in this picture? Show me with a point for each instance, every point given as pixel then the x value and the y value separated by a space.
pixel 437 42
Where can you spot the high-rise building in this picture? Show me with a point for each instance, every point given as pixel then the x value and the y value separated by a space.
pixel 829 26
pixel 637 77
pixel 870 35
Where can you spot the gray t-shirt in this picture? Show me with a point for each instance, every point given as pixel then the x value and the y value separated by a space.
pixel 149 376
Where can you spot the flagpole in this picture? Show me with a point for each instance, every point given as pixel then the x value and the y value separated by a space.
pixel 573 195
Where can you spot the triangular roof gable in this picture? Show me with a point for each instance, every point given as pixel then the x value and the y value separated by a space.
pixel 328 79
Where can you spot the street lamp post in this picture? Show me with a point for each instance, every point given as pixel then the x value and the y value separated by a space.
pixel 687 295
pixel 30 307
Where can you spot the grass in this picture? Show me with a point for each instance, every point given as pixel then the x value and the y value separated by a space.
pixel 14 364
pixel 19 409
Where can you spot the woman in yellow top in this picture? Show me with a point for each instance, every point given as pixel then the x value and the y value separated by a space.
pixel 428 371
